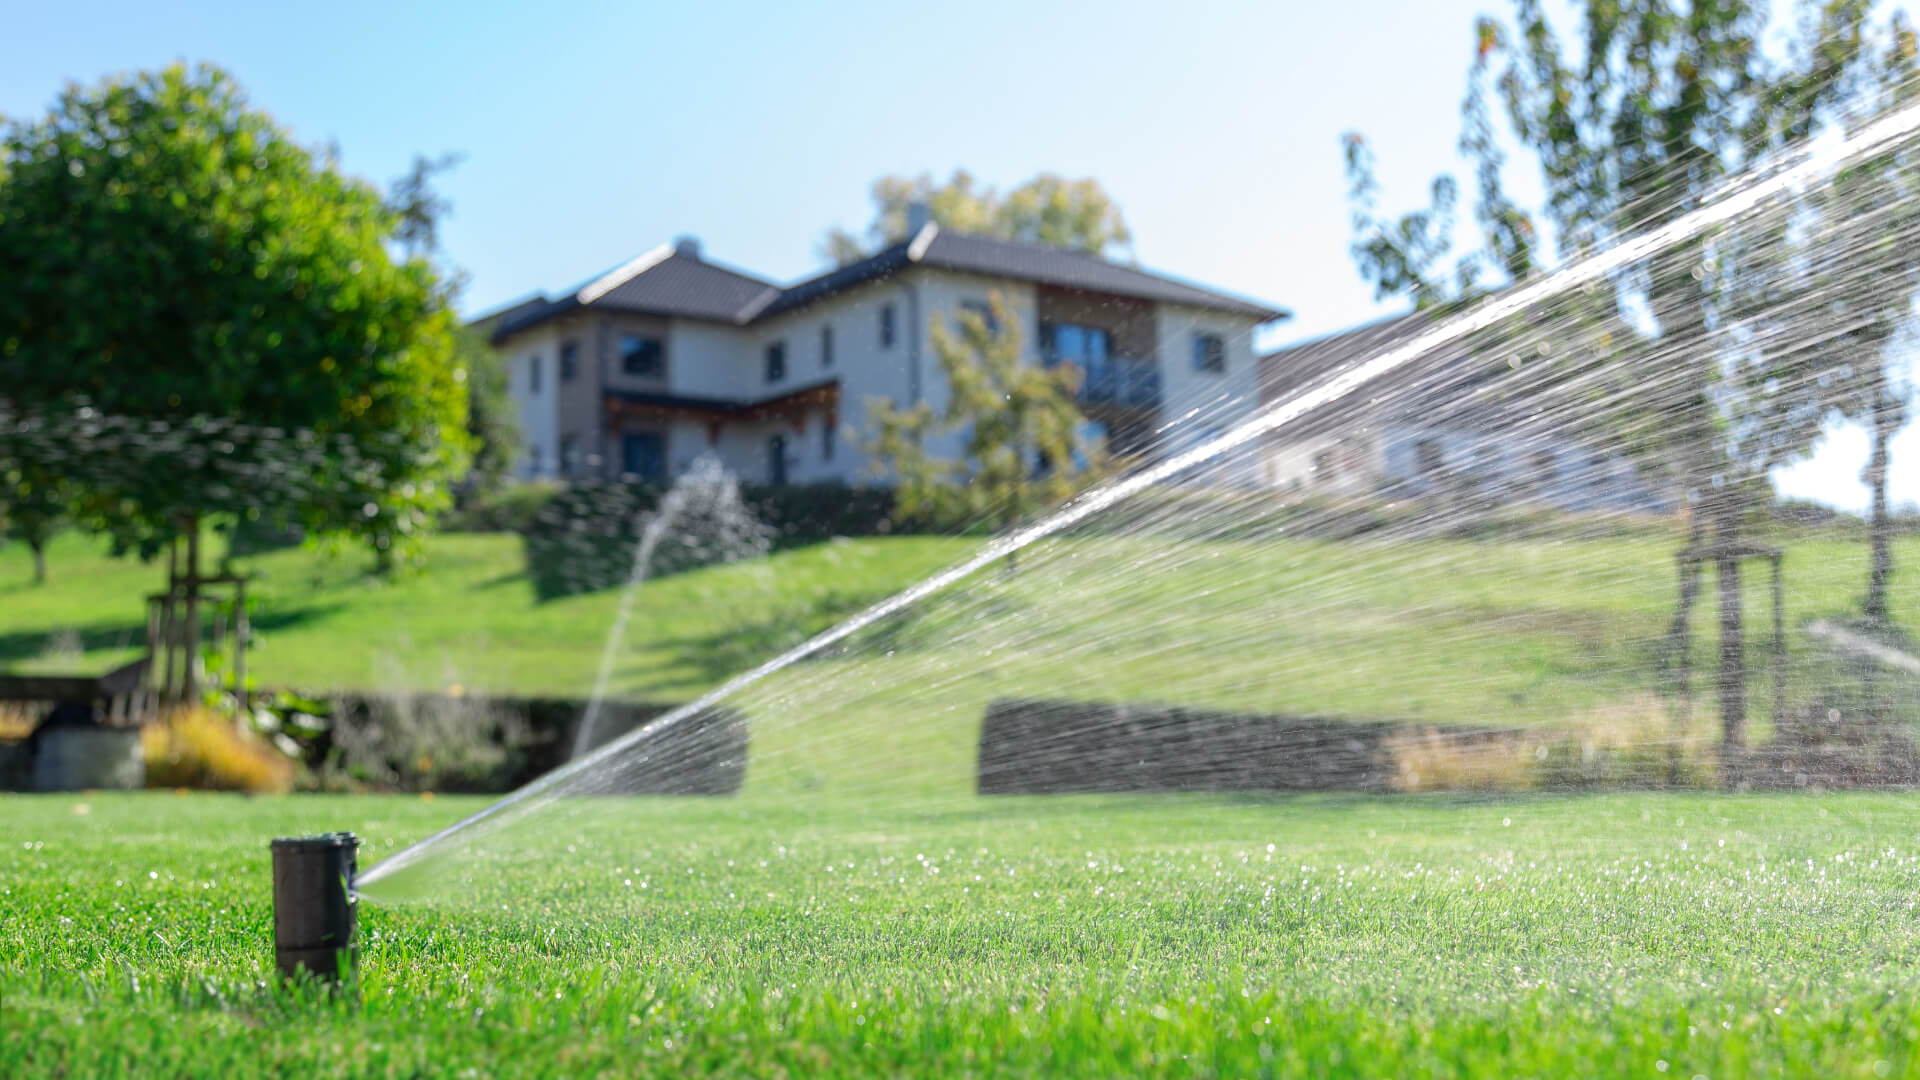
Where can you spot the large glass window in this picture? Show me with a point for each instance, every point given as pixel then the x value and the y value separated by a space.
pixel 826 346
pixel 776 361
pixel 569 361
pixel 1088 348
pixel 533 374
pixel 644 357
pixel 1209 353
pixel 643 455
pixel 886 326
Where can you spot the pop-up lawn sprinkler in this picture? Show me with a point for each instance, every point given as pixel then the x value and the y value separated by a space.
pixel 313 904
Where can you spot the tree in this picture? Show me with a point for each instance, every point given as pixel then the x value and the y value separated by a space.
pixel 1651 112
pixel 1021 447
pixel 188 285
pixel 419 209
pixel 1077 215
pixel 1869 215
pixel 35 508
pixel 491 424
pixel 418 206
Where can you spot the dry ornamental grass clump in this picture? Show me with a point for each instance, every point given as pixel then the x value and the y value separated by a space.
pixel 197 748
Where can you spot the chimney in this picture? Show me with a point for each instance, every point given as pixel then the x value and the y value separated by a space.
pixel 919 216
pixel 688 246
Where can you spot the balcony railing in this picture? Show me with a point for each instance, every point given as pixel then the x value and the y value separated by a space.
pixel 1117 381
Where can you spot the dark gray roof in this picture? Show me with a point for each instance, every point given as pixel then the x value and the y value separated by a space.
pixel 1450 380
pixel 670 282
pixel 974 254
pixel 1287 371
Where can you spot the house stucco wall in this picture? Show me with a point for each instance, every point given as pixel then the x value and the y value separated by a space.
pixel 538 410
pixel 1200 404
pixel 708 360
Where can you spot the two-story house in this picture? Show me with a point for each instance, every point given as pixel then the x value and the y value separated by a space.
pixel 1441 425
pixel 669 358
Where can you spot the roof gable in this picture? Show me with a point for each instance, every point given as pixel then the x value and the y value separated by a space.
pixel 672 282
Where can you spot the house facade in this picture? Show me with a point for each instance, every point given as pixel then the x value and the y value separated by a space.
pixel 1441 426
pixel 672 358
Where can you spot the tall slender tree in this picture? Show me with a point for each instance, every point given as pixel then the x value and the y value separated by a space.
pixel 1643 116
pixel 1051 210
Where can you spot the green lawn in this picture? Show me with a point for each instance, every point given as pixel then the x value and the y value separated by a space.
pixel 470 618
pixel 857 911
pixel 1624 935
pixel 1449 632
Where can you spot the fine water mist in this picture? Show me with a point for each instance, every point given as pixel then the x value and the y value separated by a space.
pixel 1470 549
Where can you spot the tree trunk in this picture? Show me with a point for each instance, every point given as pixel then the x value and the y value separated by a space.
pixel 1680 632
pixel 1733 667
pixel 1880 528
pixel 39 549
pixel 190 676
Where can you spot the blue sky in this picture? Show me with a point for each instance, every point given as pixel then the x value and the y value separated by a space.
pixel 594 131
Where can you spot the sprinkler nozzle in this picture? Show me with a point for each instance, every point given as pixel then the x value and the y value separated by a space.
pixel 313 904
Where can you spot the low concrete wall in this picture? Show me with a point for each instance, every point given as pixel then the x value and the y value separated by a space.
pixel 1046 747
pixel 528 737
pixel 85 758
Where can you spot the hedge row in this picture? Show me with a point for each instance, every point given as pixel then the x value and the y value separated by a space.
pixel 445 743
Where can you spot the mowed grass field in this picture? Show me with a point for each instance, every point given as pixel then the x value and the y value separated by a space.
pixel 1508 632
pixel 1609 935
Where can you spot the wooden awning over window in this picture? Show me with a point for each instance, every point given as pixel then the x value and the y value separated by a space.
pixel 793 406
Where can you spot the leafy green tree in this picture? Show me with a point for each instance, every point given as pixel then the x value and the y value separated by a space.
pixel 491 424
pixel 419 209
pixel 191 289
pixel 34 506
pixel 418 206
pixel 1865 270
pixel 1077 215
pixel 1649 112
pixel 1022 450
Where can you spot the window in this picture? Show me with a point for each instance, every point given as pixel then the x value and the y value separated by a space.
pixel 643 455
pixel 1427 457
pixel 643 357
pixel 826 439
pixel 533 374
pixel 1085 347
pixel 777 460
pixel 776 361
pixel 1543 466
pixel 826 346
pixel 886 326
pixel 569 452
pixel 985 311
pixel 1209 353
pixel 569 361
pixel 533 460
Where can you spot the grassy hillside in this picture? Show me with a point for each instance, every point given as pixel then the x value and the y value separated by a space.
pixel 1458 632
pixel 469 617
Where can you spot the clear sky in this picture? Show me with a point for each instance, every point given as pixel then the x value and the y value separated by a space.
pixel 593 131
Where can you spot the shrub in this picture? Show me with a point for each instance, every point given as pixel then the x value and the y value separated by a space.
pixel 511 508
pixel 1437 759
pixel 1635 743
pixel 196 748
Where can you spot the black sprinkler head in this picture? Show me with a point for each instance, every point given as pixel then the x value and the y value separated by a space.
pixel 313 904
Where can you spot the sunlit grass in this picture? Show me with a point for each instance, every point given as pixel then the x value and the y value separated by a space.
pixel 1722 936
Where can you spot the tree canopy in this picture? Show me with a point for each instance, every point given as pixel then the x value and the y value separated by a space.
pixel 187 286
pixel 1077 215
pixel 1641 116
pixel 1023 450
